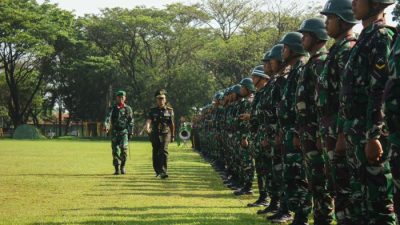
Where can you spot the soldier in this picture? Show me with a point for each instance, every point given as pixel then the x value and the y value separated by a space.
pixel 160 126
pixel 392 112
pixel 260 80
pixel 243 135
pixel 361 98
pixel 120 118
pixel 339 23
pixel 314 40
pixel 296 184
pixel 278 200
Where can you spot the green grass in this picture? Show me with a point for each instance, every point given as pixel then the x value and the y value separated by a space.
pixel 70 182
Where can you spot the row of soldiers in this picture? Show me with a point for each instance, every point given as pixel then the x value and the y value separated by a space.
pixel 319 128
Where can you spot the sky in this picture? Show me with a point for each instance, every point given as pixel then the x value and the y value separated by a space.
pixel 82 7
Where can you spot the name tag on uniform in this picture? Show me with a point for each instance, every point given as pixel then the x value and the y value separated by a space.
pixel 167 114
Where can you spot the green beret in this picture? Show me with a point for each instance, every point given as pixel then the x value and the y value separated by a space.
pixel 120 93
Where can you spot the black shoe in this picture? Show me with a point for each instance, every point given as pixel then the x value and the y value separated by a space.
pixel 258 203
pixel 272 208
pixel 280 217
pixel 157 174
pixel 116 170
pixel 123 171
pixel 164 176
pixel 243 191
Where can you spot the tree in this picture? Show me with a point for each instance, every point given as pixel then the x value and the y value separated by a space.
pixel 28 32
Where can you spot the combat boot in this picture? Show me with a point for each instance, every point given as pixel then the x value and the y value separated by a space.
pixel 272 208
pixel 280 217
pixel 116 170
pixel 123 171
pixel 261 201
pixel 243 191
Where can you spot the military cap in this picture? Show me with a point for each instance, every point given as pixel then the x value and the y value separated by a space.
pixel 259 71
pixel 120 93
pixel 340 8
pixel 315 26
pixel 162 93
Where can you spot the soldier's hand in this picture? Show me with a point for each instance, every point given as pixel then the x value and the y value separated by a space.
pixel 278 140
pixel 374 151
pixel 105 129
pixel 147 130
pixel 172 139
pixel 244 117
pixel 130 136
pixel 296 141
pixel 341 143
pixel 265 143
pixel 245 143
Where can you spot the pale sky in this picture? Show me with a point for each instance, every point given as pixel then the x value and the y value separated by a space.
pixel 82 7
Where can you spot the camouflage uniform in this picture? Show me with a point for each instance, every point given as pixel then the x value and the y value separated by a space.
pixel 273 97
pixel 392 112
pixel 361 100
pixel 296 184
pixel 120 118
pixel 246 158
pixel 262 157
pixel 328 88
pixel 307 128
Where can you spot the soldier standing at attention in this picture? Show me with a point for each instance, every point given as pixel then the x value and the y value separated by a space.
pixel 120 117
pixel 361 98
pixel 392 112
pixel 314 40
pixel 339 23
pixel 160 127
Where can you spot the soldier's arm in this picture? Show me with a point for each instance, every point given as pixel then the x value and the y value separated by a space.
pixel 378 75
pixel 131 121
pixel 107 120
pixel 149 119
pixel 172 124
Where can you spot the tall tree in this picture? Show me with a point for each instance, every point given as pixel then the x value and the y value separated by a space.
pixel 28 32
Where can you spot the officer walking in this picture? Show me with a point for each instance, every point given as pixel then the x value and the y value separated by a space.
pixel 161 128
pixel 120 118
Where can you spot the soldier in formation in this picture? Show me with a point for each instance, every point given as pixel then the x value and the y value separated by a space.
pixel 318 129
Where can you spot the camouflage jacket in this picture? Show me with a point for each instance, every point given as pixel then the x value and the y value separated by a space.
pixel 286 109
pixel 256 109
pixel 392 92
pixel 120 119
pixel 366 74
pixel 305 99
pixel 244 106
pixel 330 80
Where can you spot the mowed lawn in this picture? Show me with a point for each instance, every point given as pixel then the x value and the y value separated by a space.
pixel 70 182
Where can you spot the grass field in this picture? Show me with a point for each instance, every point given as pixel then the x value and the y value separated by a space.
pixel 70 182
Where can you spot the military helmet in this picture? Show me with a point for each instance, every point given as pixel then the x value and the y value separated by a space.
pixel 340 8
pixel 248 83
pixel 236 89
pixel 315 26
pixel 389 2
pixel 218 95
pixel 294 42
pixel 259 71
pixel 276 52
pixel 266 57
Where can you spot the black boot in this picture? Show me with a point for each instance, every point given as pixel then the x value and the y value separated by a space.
pixel 116 170
pixel 123 171
pixel 243 191
pixel 272 208
pixel 280 217
pixel 261 201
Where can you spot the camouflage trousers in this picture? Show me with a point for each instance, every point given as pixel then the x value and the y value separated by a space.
pixel 119 145
pixel 246 167
pixel 276 184
pixel 394 140
pixel 316 168
pixel 263 165
pixel 296 185
pixel 337 169
pixel 371 197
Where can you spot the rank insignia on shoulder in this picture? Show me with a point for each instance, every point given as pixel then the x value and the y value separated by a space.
pixel 380 66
